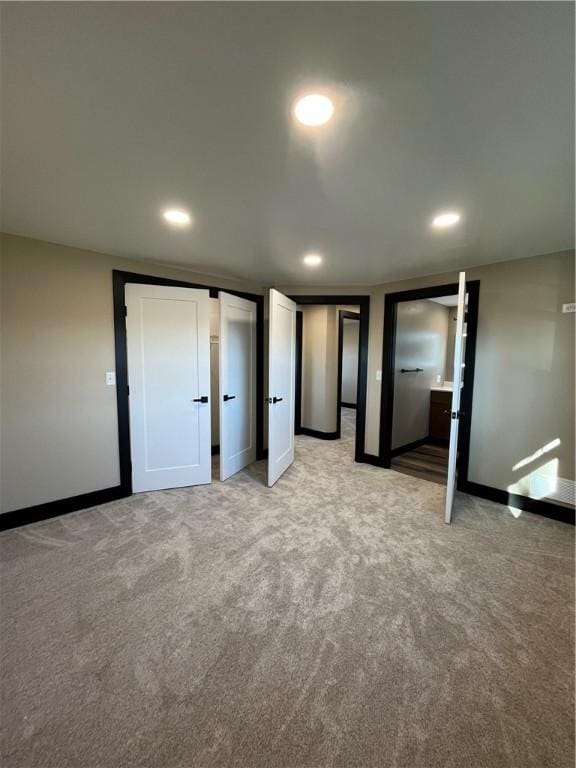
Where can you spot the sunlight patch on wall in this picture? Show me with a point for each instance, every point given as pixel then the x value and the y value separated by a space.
pixel 536 455
pixel 543 482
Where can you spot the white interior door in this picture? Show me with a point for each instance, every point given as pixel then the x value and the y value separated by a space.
pixel 168 339
pixel 456 393
pixel 237 384
pixel 281 384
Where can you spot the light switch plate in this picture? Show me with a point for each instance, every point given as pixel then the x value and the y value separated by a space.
pixel 569 307
pixel 378 375
pixel 111 378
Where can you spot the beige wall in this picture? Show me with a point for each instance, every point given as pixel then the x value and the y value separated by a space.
pixel 524 380
pixel 421 337
pixel 350 342
pixel 58 417
pixel 320 328
pixel 319 367
pixel 449 367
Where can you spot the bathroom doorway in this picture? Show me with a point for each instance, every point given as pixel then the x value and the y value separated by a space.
pixel 417 376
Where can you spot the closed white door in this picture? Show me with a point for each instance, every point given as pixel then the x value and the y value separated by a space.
pixel 456 393
pixel 237 351
pixel 281 384
pixel 168 339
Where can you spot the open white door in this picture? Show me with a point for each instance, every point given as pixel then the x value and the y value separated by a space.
pixel 237 384
pixel 281 384
pixel 168 340
pixel 456 392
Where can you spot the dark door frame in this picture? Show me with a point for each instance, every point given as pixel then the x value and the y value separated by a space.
pixel 343 314
pixel 391 301
pixel 119 281
pixel 363 302
pixel 298 383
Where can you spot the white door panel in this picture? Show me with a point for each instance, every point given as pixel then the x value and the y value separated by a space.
pixel 456 394
pixel 168 343
pixel 281 380
pixel 237 384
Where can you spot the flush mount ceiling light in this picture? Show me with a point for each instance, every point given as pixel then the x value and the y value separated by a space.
pixel 176 216
pixel 445 219
pixel 313 109
pixel 312 259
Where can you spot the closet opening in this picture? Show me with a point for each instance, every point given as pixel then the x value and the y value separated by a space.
pixel 189 381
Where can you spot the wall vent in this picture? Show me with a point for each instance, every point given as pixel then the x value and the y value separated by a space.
pixel 548 486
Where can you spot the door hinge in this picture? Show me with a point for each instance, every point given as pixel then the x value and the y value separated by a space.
pixel 125 311
pixel 128 390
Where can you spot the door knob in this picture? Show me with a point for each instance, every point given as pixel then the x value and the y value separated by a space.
pixel 229 397
pixel 203 399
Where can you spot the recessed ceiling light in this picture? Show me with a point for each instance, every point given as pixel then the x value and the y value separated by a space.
pixel 314 109
pixel 175 216
pixel 446 219
pixel 312 259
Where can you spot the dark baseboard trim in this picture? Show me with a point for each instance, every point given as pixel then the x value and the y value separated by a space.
pixel 348 405
pixel 215 450
pixel 60 507
pixel 408 447
pixel 416 444
pixel 442 441
pixel 368 458
pixel 525 503
pixel 320 435
pixel 536 506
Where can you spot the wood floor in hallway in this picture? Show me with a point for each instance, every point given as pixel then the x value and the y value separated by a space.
pixel 428 462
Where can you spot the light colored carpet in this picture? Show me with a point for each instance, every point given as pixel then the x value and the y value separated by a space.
pixel 333 620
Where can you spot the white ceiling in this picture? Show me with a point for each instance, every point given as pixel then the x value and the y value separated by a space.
pixel 111 111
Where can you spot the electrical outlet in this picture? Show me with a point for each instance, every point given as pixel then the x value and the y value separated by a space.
pixel 569 307
pixel 111 378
